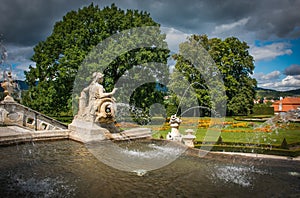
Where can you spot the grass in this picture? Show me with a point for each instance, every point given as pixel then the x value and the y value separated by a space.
pixel 291 136
pixel 253 132
pixel 238 134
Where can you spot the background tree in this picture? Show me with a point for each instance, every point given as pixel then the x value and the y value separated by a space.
pixel 232 58
pixel 181 96
pixel 60 55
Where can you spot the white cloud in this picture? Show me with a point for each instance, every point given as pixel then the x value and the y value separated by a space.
pixel 288 83
pixel 19 60
pixel 18 68
pixel 272 75
pixel 230 26
pixel 265 78
pixel 274 80
pixel 24 66
pixel 269 52
pixel 174 37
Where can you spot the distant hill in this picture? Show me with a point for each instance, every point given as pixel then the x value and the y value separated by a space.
pixel 260 92
pixel 23 85
pixel 273 94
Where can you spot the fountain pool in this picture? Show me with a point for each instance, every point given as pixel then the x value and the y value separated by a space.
pixel 67 169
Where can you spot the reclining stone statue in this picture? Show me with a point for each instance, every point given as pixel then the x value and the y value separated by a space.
pixel 95 105
pixel 95 120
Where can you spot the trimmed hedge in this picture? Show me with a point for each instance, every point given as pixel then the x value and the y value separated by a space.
pixel 258 150
pixel 258 110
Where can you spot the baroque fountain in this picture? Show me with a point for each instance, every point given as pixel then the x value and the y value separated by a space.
pixel 137 166
pixel 95 119
pixel 103 168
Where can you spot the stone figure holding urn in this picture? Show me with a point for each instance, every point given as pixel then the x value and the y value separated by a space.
pixel 95 120
pixel 95 104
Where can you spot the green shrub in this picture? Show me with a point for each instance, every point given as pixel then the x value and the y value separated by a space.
pixel 284 144
pixel 220 140
pixel 258 150
pixel 262 110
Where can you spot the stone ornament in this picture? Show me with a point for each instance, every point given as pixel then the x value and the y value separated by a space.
pixel 8 85
pixel 95 104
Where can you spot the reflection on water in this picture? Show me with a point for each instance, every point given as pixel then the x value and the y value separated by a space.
pixel 44 187
pixel 241 175
pixel 68 169
pixel 137 156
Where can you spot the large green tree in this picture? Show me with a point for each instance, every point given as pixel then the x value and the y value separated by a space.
pixel 235 64
pixel 59 57
pixel 182 96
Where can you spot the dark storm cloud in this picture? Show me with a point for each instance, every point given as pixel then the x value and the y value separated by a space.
pixel 292 70
pixel 276 18
pixel 267 19
pixel 26 22
pixel 195 16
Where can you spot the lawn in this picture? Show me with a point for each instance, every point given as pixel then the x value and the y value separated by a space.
pixel 233 131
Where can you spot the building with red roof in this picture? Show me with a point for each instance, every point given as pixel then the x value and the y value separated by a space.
pixel 286 104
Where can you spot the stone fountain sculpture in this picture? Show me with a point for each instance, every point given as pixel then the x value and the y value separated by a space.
pixel 96 113
pixel 188 138
pixel 174 124
pixel 8 85
pixel 95 119
pixel 175 135
pixel 95 105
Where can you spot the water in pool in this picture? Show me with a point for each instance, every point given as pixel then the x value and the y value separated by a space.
pixel 69 169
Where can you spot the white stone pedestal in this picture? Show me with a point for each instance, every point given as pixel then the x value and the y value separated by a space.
pixel 189 138
pixel 84 131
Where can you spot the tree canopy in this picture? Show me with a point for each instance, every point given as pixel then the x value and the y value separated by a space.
pixel 90 39
pixel 61 55
pixel 235 64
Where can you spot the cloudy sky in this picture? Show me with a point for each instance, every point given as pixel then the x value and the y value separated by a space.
pixel 271 29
